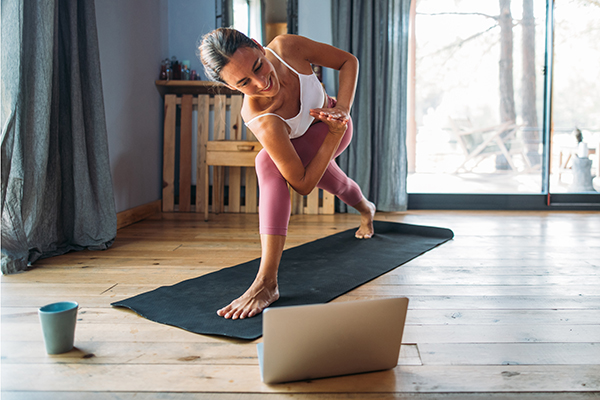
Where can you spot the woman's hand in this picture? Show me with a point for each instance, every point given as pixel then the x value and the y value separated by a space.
pixel 336 118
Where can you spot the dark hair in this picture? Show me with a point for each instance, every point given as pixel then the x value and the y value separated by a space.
pixel 217 47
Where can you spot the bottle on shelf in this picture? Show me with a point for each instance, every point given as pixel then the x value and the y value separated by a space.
pixel 185 71
pixel 176 67
pixel 163 71
pixel 169 69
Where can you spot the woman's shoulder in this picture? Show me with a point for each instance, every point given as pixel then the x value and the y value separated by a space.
pixel 285 41
pixel 291 49
pixel 250 109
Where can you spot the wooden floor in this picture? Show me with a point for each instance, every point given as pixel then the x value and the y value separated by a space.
pixel 509 309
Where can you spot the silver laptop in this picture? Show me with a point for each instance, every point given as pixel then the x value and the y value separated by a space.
pixel 322 340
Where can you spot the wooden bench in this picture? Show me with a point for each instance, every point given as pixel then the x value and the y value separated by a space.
pixel 225 152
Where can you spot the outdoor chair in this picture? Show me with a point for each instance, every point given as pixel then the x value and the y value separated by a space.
pixel 479 144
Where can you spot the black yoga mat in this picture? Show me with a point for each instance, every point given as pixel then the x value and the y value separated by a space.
pixel 315 272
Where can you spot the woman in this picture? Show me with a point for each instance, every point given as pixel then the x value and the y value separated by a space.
pixel 301 129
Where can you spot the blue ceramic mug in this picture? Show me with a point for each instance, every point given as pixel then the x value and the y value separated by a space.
pixel 58 326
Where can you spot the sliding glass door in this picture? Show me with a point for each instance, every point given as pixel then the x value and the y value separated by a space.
pixel 575 130
pixel 487 115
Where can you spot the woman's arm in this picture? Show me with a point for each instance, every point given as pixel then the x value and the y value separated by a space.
pixel 300 52
pixel 273 134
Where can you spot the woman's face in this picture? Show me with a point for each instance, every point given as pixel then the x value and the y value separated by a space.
pixel 251 73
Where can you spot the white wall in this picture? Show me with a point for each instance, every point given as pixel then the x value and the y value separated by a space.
pixel 188 21
pixel 132 37
pixel 314 22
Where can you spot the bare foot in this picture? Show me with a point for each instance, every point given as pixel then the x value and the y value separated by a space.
pixel 258 297
pixel 367 213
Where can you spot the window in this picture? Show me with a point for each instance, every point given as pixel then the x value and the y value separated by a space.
pixel 247 18
pixel 478 100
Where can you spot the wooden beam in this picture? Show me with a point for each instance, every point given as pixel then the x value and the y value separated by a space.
pixel 136 214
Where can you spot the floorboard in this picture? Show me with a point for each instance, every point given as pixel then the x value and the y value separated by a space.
pixel 28 395
pixel 509 309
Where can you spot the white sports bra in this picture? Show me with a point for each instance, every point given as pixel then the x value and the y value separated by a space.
pixel 312 95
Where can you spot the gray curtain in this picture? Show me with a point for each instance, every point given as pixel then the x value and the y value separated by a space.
pixel 376 32
pixel 56 184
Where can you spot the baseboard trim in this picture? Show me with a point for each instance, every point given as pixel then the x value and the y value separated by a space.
pixel 136 214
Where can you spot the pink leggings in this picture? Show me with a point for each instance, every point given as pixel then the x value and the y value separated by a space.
pixel 274 201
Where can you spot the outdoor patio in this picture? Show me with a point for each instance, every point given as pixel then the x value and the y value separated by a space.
pixel 439 159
